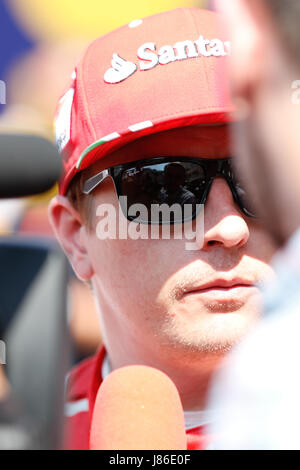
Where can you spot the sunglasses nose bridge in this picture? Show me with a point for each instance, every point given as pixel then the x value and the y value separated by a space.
pixel 220 173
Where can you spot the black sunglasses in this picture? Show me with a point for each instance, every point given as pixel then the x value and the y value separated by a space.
pixel 171 189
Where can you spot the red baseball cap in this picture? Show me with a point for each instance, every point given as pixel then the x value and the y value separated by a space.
pixel 155 74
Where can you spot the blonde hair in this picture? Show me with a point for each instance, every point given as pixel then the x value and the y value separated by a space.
pixel 81 202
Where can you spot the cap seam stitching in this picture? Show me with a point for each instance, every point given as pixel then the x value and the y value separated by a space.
pixel 89 120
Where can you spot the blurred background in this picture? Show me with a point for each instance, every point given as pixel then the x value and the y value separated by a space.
pixel 41 41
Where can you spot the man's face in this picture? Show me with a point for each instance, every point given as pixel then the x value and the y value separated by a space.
pixel 157 300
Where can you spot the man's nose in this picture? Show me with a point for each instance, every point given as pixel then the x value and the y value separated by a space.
pixel 224 223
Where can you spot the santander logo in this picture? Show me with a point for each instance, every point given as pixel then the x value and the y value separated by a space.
pixel 120 70
pixel 149 57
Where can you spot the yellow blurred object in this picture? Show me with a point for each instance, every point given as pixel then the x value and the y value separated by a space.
pixel 43 198
pixel 56 19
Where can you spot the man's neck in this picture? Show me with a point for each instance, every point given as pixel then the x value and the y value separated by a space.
pixel 191 382
pixel 193 418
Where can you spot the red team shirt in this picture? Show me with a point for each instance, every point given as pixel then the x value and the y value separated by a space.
pixel 83 384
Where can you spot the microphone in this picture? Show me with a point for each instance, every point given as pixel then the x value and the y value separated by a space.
pixel 28 165
pixel 138 408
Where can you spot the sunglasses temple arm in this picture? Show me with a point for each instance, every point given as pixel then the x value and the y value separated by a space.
pixel 93 182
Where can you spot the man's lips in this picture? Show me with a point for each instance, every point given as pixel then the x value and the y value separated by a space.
pixel 218 289
pixel 220 284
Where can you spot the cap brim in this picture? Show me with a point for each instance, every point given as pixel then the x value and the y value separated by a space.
pixel 115 141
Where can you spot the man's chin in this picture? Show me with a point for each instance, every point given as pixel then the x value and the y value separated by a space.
pixel 216 336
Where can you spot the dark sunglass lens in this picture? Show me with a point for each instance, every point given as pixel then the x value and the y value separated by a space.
pixel 168 191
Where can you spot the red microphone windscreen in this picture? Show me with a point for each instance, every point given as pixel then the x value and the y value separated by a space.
pixel 138 408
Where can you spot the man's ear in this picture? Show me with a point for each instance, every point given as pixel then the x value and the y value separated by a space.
pixel 71 234
pixel 247 24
